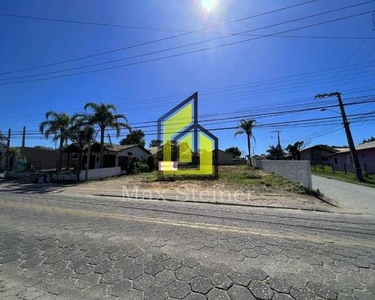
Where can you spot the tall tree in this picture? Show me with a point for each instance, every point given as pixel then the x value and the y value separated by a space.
pixel 246 127
pixel 275 152
pixel 3 138
pixel 234 151
pixel 56 124
pixel 104 115
pixel 81 132
pixel 136 136
pixel 295 150
pixel 155 143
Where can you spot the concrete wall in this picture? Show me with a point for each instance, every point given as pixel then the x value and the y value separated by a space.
pixel 294 170
pixel 100 173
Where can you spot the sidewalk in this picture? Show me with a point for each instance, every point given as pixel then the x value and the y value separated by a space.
pixel 347 195
pixel 181 193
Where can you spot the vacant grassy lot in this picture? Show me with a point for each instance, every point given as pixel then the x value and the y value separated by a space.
pixel 230 178
pixel 340 175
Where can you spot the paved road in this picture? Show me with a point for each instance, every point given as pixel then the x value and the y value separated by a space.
pixel 55 246
pixel 347 195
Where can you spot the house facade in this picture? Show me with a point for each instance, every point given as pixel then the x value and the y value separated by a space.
pixel 318 154
pixel 342 161
pixel 115 155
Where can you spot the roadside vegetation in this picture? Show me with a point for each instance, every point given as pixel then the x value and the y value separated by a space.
pixel 369 179
pixel 241 178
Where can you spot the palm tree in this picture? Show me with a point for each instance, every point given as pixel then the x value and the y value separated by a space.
pixel 104 115
pixel 275 152
pixel 81 133
pixel 295 149
pixel 56 124
pixel 247 126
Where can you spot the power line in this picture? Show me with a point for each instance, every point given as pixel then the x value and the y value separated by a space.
pixel 164 39
pixel 183 53
pixel 352 55
pixel 172 30
pixel 265 115
pixel 184 46
pixel 320 73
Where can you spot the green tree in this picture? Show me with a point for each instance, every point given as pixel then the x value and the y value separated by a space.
pixel 56 124
pixel 104 115
pixel 81 132
pixel 3 138
pixel 136 136
pixel 155 143
pixel 234 151
pixel 246 127
pixel 275 152
pixel 295 150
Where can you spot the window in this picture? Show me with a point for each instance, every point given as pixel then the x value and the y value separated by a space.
pixel 335 160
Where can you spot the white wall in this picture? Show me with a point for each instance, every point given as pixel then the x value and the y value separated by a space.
pixel 294 170
pixel 137 152
pixel 100 173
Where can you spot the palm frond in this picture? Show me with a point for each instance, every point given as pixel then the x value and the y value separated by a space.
pixel 92 105
pixel 51 114
pixel 239 132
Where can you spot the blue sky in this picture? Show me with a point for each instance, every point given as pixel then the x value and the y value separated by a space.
pixel 245 79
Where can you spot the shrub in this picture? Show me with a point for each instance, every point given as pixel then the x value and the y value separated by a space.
pixel 151 163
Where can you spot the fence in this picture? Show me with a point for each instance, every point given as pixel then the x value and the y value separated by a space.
pixel 346 168
pixel 294 170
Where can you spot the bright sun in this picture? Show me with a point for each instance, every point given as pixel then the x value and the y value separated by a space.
pixel 209 5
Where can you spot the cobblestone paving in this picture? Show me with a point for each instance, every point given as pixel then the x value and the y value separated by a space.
pixel 49 252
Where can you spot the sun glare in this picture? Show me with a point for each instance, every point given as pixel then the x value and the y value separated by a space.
pixel 209 5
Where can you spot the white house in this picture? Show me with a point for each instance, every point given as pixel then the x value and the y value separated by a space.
pixel 115 155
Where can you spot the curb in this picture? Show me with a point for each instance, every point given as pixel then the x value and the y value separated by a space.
pixel 212 203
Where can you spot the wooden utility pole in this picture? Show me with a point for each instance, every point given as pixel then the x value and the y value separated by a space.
pixel 278 136
pixel 23 142
pixel 353 151
pixel 7 151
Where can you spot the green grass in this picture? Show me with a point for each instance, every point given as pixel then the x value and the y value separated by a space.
pixel 238 178
pixel 340 175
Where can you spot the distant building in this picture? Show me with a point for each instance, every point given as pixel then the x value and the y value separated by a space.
pixel 42 159
pixel 319 154
pixel 366 154
pixel 224 158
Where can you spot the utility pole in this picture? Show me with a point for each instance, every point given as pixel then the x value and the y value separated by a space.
pixel 353 151
pixel 7 152
pixel 23 142
pixel 278 136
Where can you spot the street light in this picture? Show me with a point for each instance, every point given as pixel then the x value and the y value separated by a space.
pixel 325 109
